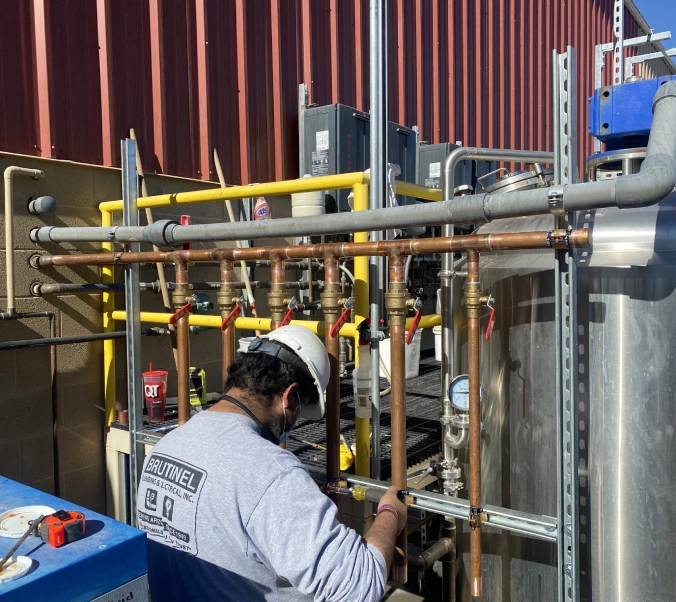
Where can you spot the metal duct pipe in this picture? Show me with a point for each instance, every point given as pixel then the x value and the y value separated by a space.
pixel 180 298
pixel 330 299
pixel 10 172
pixel 396 302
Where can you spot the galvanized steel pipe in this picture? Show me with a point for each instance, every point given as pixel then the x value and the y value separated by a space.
pixel 10 172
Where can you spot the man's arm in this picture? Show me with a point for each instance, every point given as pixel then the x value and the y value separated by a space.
pixel 387 525
pixel 295 532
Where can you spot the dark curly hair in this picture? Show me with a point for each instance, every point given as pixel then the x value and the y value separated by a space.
pixel 266 376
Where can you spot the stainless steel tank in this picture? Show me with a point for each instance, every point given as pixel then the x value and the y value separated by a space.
pixel 627 336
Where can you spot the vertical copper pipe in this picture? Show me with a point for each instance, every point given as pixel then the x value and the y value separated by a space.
pixel 227 301
pixel 277 292
pixel 473 304
pixel 330 298
pixel 181 295
pixel 395 300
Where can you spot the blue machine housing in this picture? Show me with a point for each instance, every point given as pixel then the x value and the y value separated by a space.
pixel 621 116
pixel 110 554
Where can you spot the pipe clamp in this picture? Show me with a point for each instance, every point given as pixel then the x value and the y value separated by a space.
pixel 555 197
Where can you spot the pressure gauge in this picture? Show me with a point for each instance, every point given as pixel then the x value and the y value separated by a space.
pixel 458 393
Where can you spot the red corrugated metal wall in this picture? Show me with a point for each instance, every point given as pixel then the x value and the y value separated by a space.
pixel 190 75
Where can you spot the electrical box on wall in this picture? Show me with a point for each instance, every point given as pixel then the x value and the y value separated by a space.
pixel 431 158
pixel 337 141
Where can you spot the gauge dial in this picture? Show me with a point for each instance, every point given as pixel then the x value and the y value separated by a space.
pixel 458 393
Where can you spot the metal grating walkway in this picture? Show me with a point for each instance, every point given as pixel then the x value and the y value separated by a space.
pixel 423 430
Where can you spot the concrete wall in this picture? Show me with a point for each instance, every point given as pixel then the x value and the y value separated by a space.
pixel 25 387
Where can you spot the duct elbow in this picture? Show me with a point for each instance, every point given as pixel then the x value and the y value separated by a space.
pixel 655 181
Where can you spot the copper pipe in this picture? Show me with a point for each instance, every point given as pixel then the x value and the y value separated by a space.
pixel 555 239
pixel 180 297
pixel 395 301
pixel 473 305
pixel 330 298
pixel 276 297
pixel 227 302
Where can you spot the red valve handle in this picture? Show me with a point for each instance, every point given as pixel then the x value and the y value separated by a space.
pixel 227 322
pixel 180 313
pixel 491 323
pixel 414 327
pixel 287 318
pixel 335 329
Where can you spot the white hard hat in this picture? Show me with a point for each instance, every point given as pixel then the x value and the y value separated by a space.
pixel 309 348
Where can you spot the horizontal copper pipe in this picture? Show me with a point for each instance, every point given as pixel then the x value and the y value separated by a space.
pixel 555 239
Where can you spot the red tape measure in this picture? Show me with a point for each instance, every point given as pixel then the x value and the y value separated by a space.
pixel 62 527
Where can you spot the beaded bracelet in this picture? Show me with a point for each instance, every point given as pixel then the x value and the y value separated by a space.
pixel 388 508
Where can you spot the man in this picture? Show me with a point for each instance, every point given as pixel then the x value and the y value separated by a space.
pixel 247 522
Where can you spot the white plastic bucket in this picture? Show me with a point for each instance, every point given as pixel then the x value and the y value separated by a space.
pixel 437 342
pixel 244 343
pixel 412 356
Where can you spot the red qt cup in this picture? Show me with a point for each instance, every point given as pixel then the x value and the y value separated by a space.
pixel 155 394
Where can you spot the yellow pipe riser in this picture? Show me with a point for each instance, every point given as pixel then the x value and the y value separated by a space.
pixel 243 192
pixel 361 306
pixel 232 193
pixel 108 326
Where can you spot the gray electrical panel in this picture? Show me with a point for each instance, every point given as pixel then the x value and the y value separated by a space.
pixel 337 141
pixel 431 158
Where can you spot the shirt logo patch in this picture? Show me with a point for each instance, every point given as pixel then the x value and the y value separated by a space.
pixel 170 489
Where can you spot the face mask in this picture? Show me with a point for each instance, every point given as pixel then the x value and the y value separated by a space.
pixel 287 431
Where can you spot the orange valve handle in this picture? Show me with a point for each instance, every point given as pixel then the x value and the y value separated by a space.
pixel 287 318
pixel 335 329
pixel 414 327
pixel 183 311
pixel 491 321
pixel 231 317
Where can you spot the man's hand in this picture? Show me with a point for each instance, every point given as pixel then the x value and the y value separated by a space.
pixel 390 498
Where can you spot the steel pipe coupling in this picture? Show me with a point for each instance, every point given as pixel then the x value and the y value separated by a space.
pixel 159 233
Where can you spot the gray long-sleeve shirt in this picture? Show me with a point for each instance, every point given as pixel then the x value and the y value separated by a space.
pixel 231 516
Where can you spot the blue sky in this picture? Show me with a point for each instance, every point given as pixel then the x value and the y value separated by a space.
pixel 661 15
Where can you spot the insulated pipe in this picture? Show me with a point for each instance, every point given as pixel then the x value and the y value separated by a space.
pixel 330 298
pixel 395 302
pixel 180 298
pixel 473 305
pixel 654 181
pixel 10 172
pixel 554 239
pixel 227 301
